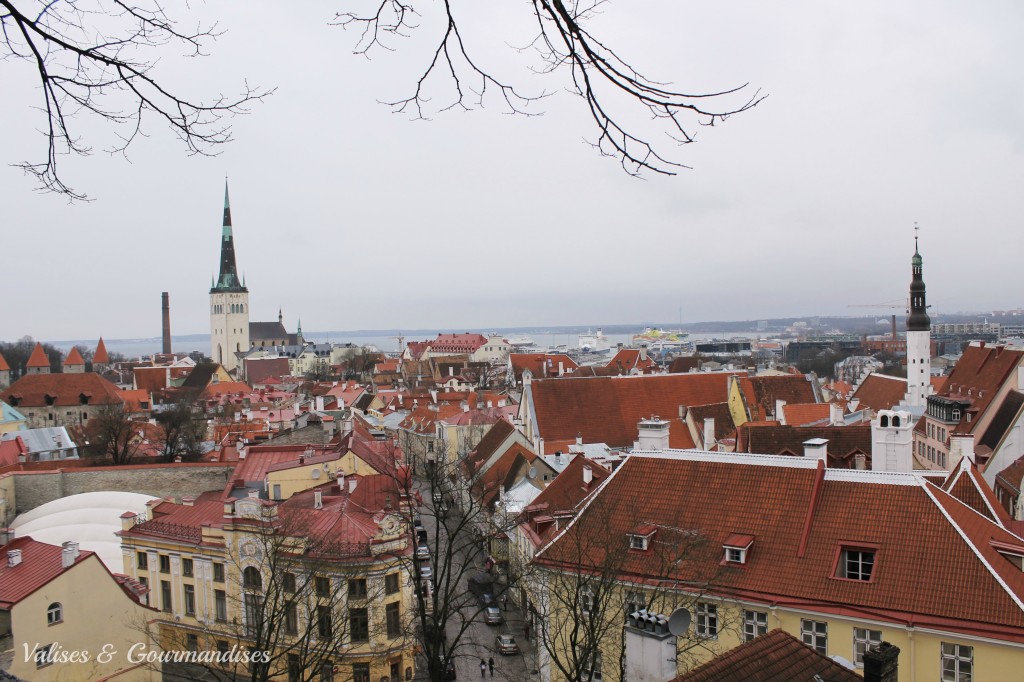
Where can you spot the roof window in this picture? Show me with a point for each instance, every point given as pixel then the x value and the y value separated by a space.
pixel 640 537
pixel 855 562
pixel 736 549
pixel 1012 553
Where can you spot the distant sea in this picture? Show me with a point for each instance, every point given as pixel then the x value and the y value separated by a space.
pixel 386 340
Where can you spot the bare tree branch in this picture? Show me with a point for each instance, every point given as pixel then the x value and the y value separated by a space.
pixel 94 58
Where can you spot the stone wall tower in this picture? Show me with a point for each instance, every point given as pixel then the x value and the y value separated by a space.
pixel 919 339
pixel 229 302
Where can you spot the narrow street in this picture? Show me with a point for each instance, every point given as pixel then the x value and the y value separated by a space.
pixel 478 642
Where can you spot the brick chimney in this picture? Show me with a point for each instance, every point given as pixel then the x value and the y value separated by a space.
pixel 166 309
pixel 881 663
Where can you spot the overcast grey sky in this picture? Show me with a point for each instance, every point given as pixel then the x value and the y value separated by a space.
pixel 880 114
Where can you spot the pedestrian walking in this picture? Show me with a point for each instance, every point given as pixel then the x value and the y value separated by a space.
pixel 483 668
pixel 504 603
pixel 490 664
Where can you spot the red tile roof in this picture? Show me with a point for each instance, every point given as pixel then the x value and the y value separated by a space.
pixel 541 364
pixel 488 445
pixel 966 485
pixel 803 414
pixel 40 563
pixel 760 393
pixel 608 409
pixel 64 389
pixel 223 388
pixel 38 357
pixel 101 356
pixel 772 657
pixel 628 359
pixel 880 392
pixel 720 412
pixel 457 343
pixel 562 497
pixel 4 367
pixel 74 358
pixel 11 451
pixel 802 516
pixel 979 374
pixel 844 442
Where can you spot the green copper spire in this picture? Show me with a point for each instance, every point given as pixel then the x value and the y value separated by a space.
pixel 228 280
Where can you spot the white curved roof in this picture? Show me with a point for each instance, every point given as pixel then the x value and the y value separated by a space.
pixel 92 519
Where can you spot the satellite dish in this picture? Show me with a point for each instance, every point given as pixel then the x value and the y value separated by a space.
pixel 315 473
pixel 679 622
pixel 532 473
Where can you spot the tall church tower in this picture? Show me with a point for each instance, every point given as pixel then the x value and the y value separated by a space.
pixel 919 341
pixel 229 302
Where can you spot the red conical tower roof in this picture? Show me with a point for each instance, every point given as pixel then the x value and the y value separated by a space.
pixel 74 358
pixel 100 357
pixel 4 367
pixel 38 357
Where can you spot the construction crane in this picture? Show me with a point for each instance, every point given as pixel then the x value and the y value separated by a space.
pixel 401 343
pixel 891 305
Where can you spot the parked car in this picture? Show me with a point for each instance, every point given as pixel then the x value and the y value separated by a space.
pixel 478 584
pixel 421 535
pixel 438 496
pixel 492 615
pixel 422 552
pixel 426 572
pixel 487 599
pixel 449 671
pixel 506 645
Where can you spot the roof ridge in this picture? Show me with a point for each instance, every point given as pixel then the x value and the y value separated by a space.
pixel 960 531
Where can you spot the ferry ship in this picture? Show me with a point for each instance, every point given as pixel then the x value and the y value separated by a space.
pixel 664 340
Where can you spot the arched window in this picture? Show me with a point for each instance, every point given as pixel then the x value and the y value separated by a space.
pixel 895 420
pixel 54 613
pixel 883 421
pixel 251 579
pixel 956 415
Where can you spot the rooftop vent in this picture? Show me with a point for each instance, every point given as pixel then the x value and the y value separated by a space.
pixel 13 557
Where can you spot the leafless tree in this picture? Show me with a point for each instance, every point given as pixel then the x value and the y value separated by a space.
pixel 113 435
pixel 182 425
pixel 303 599
pixel 99 57
pixel 588 586
pixel 608 83
pixel 453 515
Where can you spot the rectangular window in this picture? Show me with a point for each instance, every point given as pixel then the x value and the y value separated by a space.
pixel 192 642
pixel 291 619
pixel 864 639
pixel 957 663
pixel 288 581
pixel 165 595
pixel 755 623
pixel 218 573
pixel 190 600
pixel 394 622
pixel 586 600
pixel 186 568
pixel 327 672
pixel 324 628
pixel 814 634
pixel 294 668
pixel 43 656
pixel 707 621
pixel 360 672
pixel 222 646
pixel 391 583
pixel 253 614
pixel 359 623
pixel 591 667
pixel 220 599
pixel 357 588
pixel 856 564
pixel 165 563
pixel 141 560
pixel 323 587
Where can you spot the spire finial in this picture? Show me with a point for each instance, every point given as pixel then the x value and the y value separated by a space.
pixel 917 230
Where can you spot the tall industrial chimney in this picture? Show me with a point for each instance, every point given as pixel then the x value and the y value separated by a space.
pixel 167 322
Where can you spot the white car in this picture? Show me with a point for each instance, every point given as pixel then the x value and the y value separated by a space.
pixel 423 552
pixel 426 573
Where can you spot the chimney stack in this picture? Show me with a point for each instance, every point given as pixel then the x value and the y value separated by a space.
pixel 835 413
pixel 881 663
pixel 166 308
pixel 709 433
pixel 68 554
pixel 13 557
pixel 318 499
pixel 816 448
pixel 588 476
pixel 780 411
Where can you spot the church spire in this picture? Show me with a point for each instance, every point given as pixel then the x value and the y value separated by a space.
pixel 917 319
pixel 228 280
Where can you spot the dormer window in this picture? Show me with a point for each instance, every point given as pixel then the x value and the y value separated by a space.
pixel 50 399
pixel 736 549
pixel 640 538
pixel 856 563
pixel 1012 553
